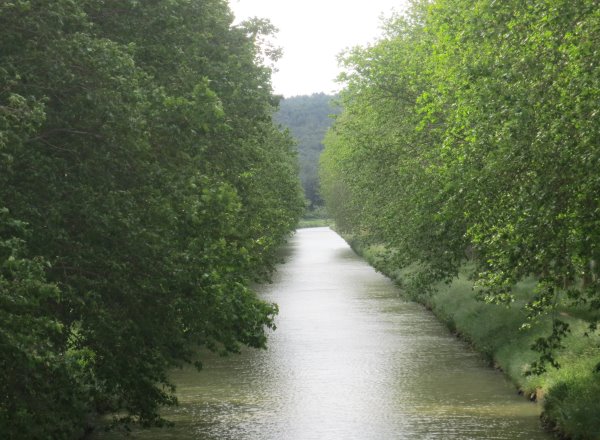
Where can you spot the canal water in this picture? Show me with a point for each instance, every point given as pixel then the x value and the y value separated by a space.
pixel 350 359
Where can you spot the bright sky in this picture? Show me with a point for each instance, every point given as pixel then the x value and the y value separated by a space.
pixel 312 33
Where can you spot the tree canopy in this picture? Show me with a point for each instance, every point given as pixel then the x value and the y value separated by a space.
pixel 470 133
pixel 143 188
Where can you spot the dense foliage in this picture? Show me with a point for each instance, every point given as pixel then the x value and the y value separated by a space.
pixel 308 118
pixel 471 133
pixel 143 187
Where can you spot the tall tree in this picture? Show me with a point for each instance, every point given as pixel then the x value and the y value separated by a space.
pixel 470 132
pixel 143 187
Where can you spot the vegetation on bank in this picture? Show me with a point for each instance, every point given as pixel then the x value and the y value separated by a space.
pixel 143 189
pixel 468 147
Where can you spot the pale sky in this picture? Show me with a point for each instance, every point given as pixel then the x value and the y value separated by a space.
pixel 312 33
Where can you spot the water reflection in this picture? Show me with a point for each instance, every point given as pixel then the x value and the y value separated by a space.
pixel 350 360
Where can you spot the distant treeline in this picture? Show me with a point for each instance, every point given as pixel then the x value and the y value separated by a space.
pixel 143 188
pixel 308 118
pixel 471 133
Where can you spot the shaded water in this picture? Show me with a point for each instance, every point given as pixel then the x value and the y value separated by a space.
pixel 350 360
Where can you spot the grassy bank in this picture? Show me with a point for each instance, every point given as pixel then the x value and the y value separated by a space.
pixel 569 395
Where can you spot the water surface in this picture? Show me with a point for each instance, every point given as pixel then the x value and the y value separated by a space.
pixel 350 359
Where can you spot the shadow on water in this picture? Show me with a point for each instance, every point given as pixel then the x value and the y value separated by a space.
pixel 350 360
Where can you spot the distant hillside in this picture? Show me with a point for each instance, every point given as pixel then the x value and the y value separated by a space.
pixel 308 118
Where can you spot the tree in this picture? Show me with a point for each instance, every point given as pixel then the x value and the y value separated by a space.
pixel 469 133
pixel 139 158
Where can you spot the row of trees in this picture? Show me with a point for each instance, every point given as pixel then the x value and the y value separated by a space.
pixel 143 188
pixel 471 132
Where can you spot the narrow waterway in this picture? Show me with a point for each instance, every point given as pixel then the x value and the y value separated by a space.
pixel 350 360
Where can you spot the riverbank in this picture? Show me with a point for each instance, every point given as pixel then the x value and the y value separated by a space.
pixel 569 395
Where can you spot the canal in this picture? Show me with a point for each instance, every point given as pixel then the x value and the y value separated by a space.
pixel 350 359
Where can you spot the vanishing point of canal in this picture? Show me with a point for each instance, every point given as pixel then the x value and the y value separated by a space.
pixel 350 360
